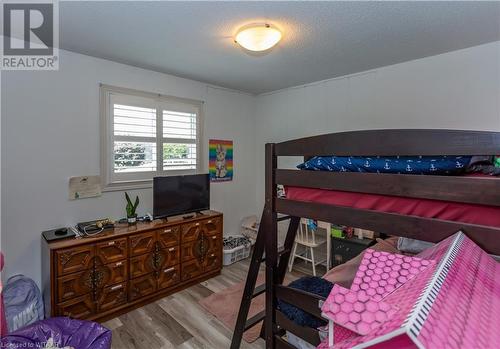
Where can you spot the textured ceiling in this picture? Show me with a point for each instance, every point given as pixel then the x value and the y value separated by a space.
pixel 321 39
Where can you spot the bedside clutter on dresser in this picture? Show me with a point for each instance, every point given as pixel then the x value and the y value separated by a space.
pixel 96 278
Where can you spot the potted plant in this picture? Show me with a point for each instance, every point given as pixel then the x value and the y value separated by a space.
pixel 131 209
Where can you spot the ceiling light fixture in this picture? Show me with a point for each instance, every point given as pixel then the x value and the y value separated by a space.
pixel 258 37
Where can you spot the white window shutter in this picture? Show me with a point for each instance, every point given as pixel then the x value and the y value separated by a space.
pixel 147 135
pixel 134 131
pixel 179 140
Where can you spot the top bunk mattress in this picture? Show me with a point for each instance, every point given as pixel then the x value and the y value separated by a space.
pixel 444 210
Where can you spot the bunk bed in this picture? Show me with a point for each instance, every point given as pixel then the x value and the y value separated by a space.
pixel 313 196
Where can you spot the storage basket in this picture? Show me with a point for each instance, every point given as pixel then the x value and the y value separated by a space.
pixel 237 253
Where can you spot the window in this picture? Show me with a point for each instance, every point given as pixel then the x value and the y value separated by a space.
pixel 146 135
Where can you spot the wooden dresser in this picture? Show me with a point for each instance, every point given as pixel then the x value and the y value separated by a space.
pixel 97 278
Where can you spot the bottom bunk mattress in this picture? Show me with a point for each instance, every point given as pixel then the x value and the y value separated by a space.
pixel 444 210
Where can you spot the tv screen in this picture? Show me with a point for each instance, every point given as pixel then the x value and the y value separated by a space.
pixel 175 195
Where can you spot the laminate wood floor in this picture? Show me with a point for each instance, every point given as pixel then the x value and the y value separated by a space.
pixel 178 321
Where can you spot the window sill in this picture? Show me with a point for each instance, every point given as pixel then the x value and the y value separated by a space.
pixel 127 185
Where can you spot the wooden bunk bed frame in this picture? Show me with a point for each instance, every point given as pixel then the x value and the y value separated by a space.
pixel 473 190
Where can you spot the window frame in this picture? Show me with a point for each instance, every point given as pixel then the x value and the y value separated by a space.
pixel 128 181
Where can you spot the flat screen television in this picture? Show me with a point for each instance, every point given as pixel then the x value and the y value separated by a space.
pixel 176 195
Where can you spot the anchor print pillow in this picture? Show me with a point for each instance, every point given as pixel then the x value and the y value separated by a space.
pixel 421 165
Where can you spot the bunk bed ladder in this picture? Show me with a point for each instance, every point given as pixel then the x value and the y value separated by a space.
pixel 250 291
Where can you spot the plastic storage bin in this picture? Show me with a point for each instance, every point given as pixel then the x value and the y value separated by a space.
pixel 237 253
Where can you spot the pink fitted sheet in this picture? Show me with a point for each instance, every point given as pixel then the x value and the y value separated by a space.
pixel 445 210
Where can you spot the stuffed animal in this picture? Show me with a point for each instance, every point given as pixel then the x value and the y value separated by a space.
pixel 220 161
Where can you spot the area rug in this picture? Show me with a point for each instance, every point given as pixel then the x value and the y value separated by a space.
pixel 224 305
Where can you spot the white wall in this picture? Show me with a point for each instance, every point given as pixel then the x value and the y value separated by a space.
pixel 50 132
pixel 456 90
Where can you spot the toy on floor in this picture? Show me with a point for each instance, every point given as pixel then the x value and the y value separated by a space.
pixel 447 296
pixel 59 332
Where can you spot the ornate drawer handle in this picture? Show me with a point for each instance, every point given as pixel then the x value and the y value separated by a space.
pixel 111 243
pixel 167 230
pixel 118 264
pixel 214 237
pixel 169 270
pixel 171 249
pixel 117 287
pixel 210 221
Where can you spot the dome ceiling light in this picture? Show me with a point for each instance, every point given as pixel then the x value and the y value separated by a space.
pixel 258 37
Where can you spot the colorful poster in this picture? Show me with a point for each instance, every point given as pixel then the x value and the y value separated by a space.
pixel 220 160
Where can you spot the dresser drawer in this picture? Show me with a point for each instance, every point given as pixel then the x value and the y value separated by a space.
pixel 191 269
pixel 142 243
pixel 141 265
pixel 73 285
pixel 169 256
pixel 213 261
pixel 169 277
pixel 143 286
pixel 74 259
pixel 77 308
pixel 112 297
pixel 212 226
pixel 169 236
pixel 115 273
pixel 191 231
pixel 191 250
pixel 112 251
pixel 213 243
